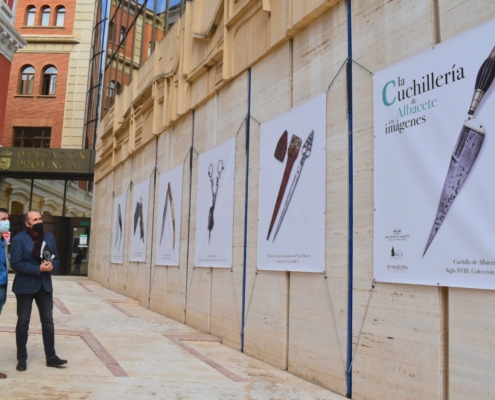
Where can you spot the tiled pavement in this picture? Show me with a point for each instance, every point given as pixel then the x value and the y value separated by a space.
pixel 120 350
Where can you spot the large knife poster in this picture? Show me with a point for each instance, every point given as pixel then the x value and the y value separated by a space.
pixel 140 200
pixel 119 210
pixel 169 217
pixel 215 206
pixel 434 165
pixel 291 210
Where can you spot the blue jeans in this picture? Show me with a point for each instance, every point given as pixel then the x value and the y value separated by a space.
pixel 3 296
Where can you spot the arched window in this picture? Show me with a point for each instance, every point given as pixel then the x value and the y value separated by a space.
pixel 45 16
pixel 49 81
pixel 149 48
pixel 60 16
pixel 30 15
pixel 27 80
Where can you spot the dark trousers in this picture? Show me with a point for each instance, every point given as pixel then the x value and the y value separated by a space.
pixel 44 301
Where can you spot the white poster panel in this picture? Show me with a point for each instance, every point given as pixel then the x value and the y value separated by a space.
pixel 169 217
pixel 140 201
pixel 291 227
pixel 215 206
pixel 119 210
pixel 434 165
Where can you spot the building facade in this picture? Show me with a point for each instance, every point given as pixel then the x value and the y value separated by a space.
pixel 125 35
pixel 43 125
pixel 49 76
pixel 10 42
pixel 224 60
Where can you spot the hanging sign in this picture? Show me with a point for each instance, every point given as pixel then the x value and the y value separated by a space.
pixel 291 206
pixel 215 206
pixel 434 131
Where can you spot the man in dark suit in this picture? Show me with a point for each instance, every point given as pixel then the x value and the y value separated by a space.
pixel 33 257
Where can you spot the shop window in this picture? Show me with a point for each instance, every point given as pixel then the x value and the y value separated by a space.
pixel 27 80
pixel 32 137
pixel 49 81
pixel 45 16
pixel 30 15
pixel 60 16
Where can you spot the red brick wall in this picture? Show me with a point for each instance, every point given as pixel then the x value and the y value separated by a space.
pixel 37 110
pixel 20 21
pixel 4 87
pixel 10 3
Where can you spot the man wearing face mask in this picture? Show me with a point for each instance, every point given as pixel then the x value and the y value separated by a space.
pixel 4 227
pixel 33 257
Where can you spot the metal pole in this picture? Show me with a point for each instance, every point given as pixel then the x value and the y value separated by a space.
pixel 65 197
pixel 246 209
pixel 189 213
pixel 31 195
pixel 351 203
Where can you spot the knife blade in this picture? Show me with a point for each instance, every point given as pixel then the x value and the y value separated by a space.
pixel 467 148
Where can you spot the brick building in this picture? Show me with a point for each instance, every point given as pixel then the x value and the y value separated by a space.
pixel 46 91
pixel 10 41
pixel 45 99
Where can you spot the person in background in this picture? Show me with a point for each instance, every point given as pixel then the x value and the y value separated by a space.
pixel 33 257
pixel 78 261
pixel 4 262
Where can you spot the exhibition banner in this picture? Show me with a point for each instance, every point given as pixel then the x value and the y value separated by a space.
pixel 434 130
pixel 119 209
pixel 140 201
pixel 169 217
pixel 215 206
pixel 291 210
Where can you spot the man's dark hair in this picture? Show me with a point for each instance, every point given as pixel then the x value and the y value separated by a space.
pixel 4 210
pixel 26 216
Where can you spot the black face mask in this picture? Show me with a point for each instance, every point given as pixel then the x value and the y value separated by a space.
pixel 38 227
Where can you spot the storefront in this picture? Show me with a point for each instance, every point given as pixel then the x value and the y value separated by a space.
pixel 59 184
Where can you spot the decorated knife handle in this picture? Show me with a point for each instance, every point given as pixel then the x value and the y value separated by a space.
pixel 308 144
pixel 485 77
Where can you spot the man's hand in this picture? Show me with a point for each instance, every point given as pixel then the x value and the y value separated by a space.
pixel 46 266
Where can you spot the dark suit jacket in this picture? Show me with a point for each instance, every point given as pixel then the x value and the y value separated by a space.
pixel 28 278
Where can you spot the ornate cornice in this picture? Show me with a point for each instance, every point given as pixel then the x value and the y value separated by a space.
pixel 10 39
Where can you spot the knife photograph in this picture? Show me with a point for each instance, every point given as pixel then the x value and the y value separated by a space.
pixel 138 218
pixel 293 152
pixel 306 151
pixel 168 199
pixel 467 148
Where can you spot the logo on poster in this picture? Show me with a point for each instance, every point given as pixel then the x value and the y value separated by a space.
pixel 396 254
pixel 419 86
pixel 397 235
pixel 397 268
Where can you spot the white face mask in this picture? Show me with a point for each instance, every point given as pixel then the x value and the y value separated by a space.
pixel 4 226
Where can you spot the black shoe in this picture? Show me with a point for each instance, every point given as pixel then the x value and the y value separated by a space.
pixel 21 365
pixel 55 362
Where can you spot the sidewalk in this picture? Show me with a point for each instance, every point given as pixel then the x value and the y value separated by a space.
pixel 120 350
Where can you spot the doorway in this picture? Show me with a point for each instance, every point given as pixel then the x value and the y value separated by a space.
pixel 80 229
